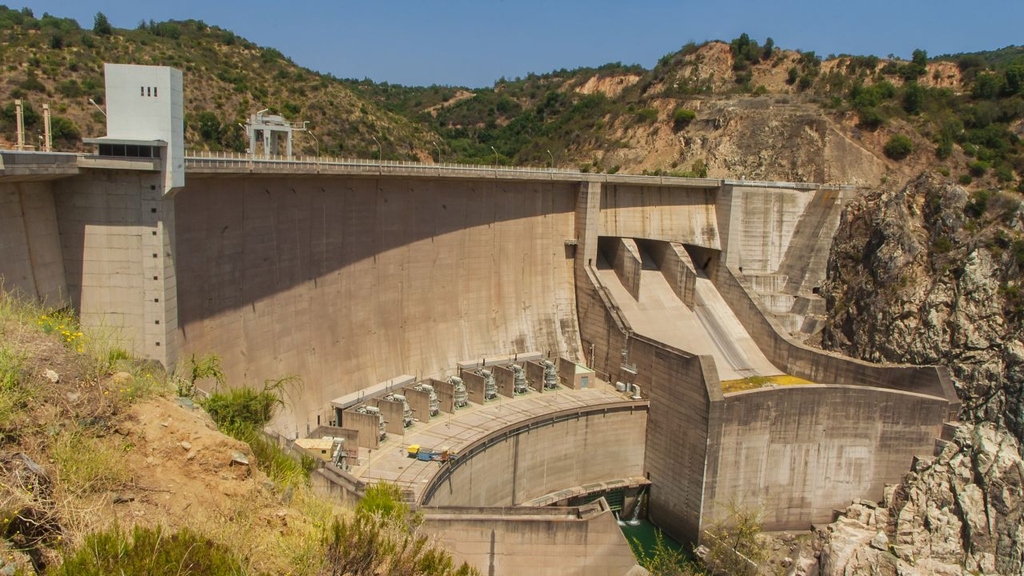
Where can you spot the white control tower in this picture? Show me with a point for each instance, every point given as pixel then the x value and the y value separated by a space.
pixel 145 118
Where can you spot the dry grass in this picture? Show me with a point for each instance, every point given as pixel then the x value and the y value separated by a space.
pixel 87 464
pixel 83 456
pixel 277 537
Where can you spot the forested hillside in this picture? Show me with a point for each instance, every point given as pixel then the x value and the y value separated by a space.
pixel 743 109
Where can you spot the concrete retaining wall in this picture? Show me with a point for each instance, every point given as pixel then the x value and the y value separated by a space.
pixel 584 541
pixel 338 484
pixel 394 415
pixel 625 260
pixel 824 368
pixel 445 394
pixel 674 262
pixel 544 455
pixel 31 262
pixel 800 452
pixel 475 386
pixel 346 280
pixel 779 230
pixel 367 426
pixel 686 215
pixel 682 388
pixel 504 378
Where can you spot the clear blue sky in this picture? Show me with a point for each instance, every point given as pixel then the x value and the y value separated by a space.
pixel 475 42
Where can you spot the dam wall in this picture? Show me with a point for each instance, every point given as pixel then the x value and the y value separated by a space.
pixel 670 213
pixel 794 452
pixel 117 241
pixel 570 541
pixel 348 281
pixel 626 263
pixel 797 453
pixel 31 261
pixel 543 455
pixel 682 389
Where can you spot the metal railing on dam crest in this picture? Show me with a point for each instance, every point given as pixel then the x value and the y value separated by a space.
pixel 203 162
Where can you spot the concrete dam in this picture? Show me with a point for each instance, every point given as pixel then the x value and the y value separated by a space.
pixel 671 311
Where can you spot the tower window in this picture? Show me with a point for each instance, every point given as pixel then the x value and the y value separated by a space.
pixel 148 90
pixel 154 91
pixel 142 90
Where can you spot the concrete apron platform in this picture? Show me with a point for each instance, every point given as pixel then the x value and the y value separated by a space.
pixel 460 430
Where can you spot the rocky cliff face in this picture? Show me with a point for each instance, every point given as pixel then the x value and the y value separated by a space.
pixel 929 274
pixel 960 511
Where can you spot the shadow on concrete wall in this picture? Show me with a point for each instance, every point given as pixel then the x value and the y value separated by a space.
pixel 243 239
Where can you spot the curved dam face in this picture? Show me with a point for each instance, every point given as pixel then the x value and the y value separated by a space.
pixel 348 281
pixel 543 456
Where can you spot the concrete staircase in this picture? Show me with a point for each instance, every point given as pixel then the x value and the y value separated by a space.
pixel 802 315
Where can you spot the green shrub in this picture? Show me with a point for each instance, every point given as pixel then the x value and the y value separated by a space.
pixel 1014 300
pixel 898 147
pixel 682 117
pixel 913 98
pixel 70 88
pixel 792 75
pixel 151 552
pixel 199 369
pixel 734 543
pixel 242 413
pixel 64 130
pixel 381 539
pixel 32 84
pixel 242 409
pixel 942 245
pixel 1017 252
pixel 987 85
pixel 383 499
pixel 965 179
pixel 978 168
pixel 870 118
pixel 1004 173
pixel 978 203
pixel 648 115
pixel 699 169
pixel 273 461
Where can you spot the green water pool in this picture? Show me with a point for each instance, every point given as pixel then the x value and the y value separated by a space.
pixel 646 533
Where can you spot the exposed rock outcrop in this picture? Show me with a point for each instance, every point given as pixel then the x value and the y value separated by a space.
pixel 928 274
pixel 961 511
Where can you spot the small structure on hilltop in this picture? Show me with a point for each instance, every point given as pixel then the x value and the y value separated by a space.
pixel 267 131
